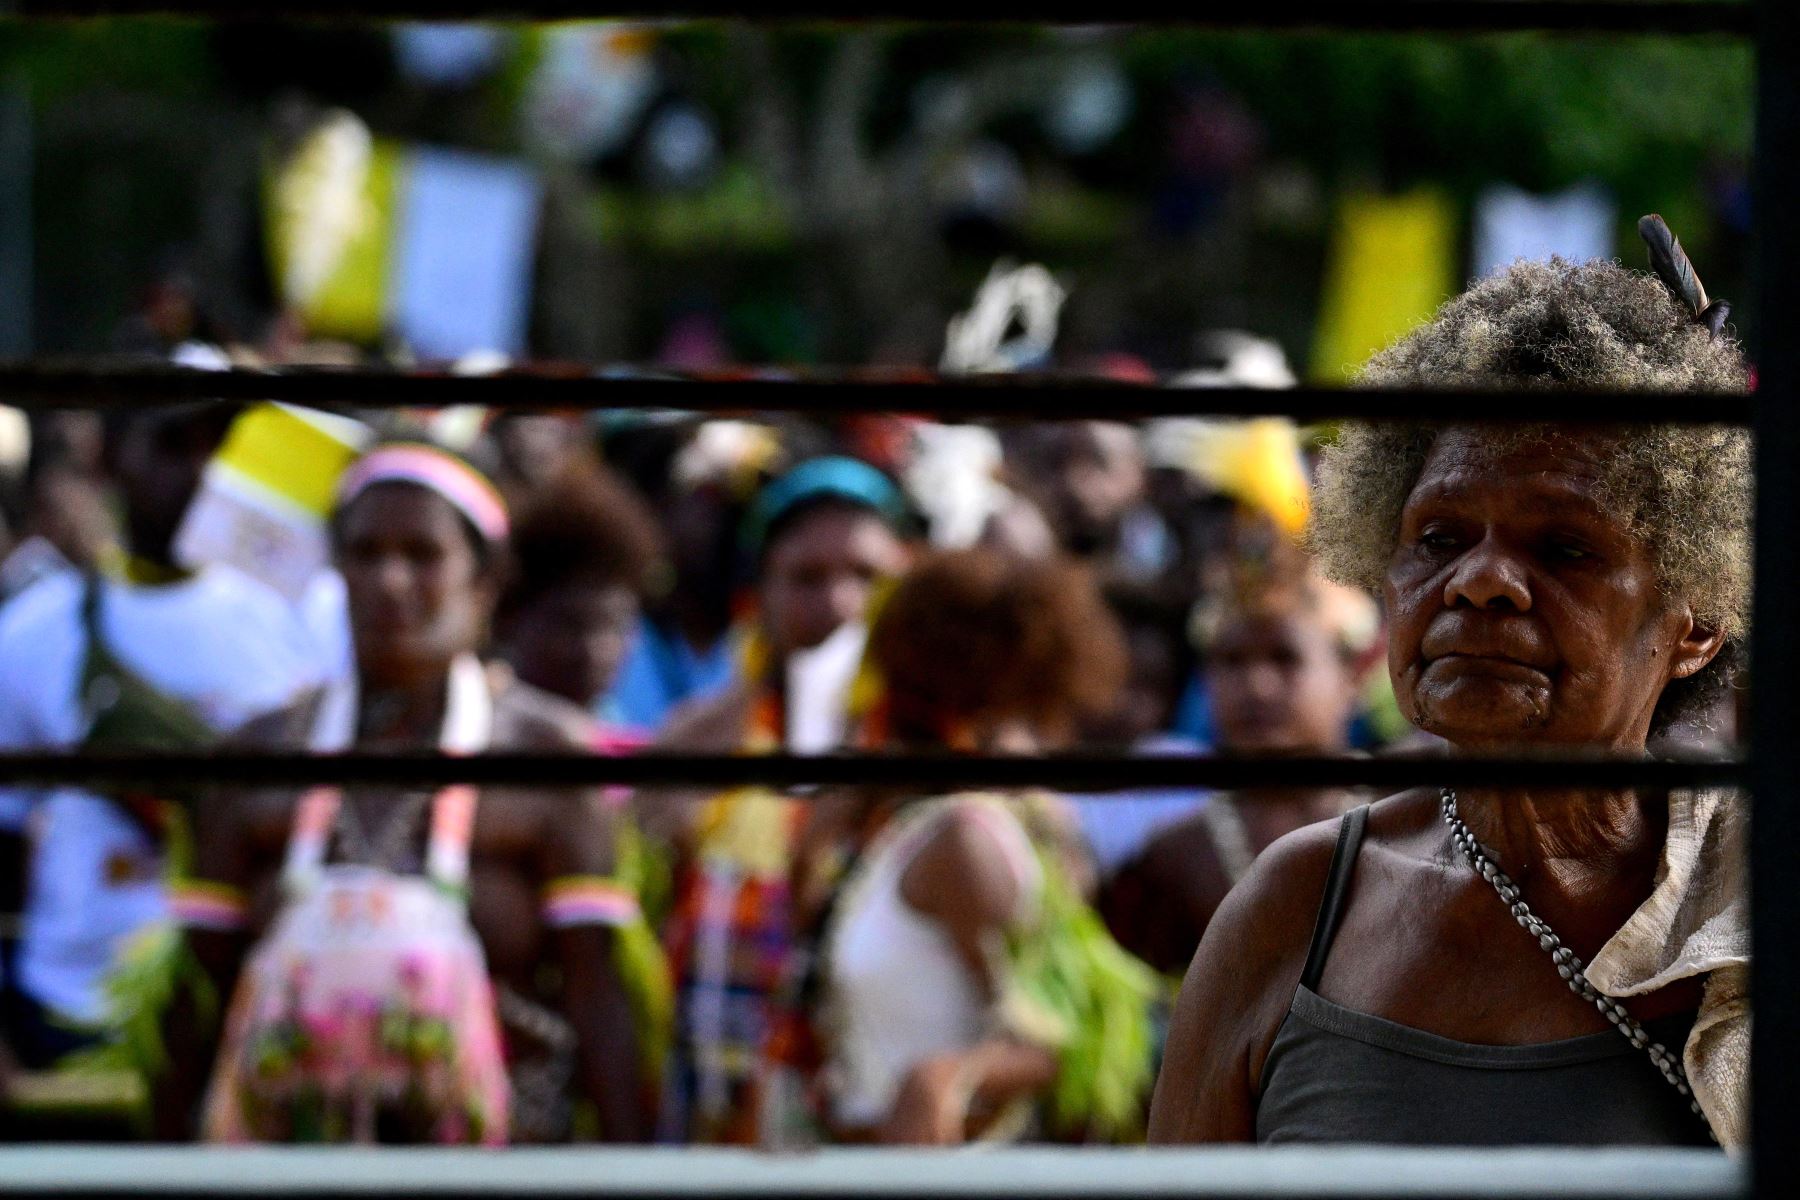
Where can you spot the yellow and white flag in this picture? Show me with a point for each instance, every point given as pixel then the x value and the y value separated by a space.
pixel 370 238
pixel 267 495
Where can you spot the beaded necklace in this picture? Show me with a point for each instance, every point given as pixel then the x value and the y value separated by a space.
pixel 1568 963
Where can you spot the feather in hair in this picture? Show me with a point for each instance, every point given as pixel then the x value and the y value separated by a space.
pixel 1676 270
pixel 1670 262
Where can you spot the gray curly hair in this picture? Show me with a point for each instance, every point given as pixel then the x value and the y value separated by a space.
pixel 1684 490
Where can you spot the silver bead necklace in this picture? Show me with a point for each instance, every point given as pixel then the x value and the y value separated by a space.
pixel 1568 963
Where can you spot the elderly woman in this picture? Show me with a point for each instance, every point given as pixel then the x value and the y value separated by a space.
pixel 1548 590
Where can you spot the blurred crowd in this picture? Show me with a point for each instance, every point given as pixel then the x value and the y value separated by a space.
pixel 538 965
pixel 749 966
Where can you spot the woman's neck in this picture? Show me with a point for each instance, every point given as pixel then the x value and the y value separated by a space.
pixel 408 713
pixel 1572 841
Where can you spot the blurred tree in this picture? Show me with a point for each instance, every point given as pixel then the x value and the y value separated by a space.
pixel 842 151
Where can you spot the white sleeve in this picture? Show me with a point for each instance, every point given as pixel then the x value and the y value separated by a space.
pixel 15 734
pixel 37 690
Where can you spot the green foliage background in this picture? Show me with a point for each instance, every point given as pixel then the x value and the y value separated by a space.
pixel 1653 120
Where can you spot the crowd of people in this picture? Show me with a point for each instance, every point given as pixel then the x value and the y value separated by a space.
pixel 733 967
pixel 872 965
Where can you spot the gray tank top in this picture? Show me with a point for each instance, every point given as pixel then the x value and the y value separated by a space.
pixel 1337 1075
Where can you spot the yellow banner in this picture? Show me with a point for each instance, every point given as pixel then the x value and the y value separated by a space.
pixel 1391 264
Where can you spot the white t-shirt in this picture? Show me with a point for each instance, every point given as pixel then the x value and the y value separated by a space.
pixel 226 645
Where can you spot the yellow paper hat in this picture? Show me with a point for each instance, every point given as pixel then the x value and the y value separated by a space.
pixel 1256 462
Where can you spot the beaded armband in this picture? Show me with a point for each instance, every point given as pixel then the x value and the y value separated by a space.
pixel 588 900
pixel 203 904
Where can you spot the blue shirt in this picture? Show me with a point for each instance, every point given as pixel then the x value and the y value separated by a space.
pixel 662 671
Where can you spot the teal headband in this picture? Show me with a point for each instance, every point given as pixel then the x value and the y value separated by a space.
pixel 833 478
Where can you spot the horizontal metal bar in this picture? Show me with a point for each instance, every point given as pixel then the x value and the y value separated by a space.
pixel 1068 772
pixel 32 385
pixel 1037 1173
pixel 1670 17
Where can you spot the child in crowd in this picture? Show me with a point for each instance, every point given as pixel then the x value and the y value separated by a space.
pixel 586 552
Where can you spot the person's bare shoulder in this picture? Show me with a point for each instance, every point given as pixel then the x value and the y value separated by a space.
pixel 963 875
pixel 1237 992
pixel 552 830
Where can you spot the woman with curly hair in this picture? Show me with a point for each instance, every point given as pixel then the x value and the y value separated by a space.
pixel 968 991
pixel 1548 588
pixel 585 552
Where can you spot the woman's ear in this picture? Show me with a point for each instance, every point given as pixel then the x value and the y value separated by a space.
pixel 1698 645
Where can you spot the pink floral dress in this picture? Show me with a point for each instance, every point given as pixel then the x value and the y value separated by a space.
pixel 366 1013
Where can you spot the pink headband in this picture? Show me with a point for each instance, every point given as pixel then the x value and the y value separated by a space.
pixel 467 490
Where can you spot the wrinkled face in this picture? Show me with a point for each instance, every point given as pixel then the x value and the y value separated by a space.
pixel 1520 611
pixel 570 640
pixel 821 572
pixel 417 592
pixel 1279 684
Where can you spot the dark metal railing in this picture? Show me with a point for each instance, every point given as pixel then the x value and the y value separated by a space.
pixel 923 772
pixel 1038 397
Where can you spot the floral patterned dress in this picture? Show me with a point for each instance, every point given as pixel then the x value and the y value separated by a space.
pixel 366 1014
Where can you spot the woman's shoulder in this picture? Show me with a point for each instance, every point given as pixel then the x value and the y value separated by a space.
pixel 1280 895
pixel 970 856
pixel 1297 866
pixel 1269 916
pixel 986 824
pixel 1242 980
